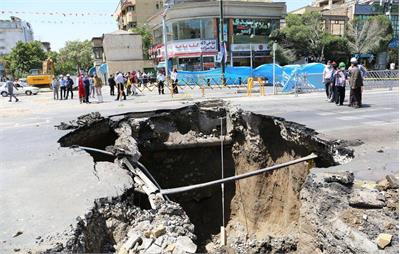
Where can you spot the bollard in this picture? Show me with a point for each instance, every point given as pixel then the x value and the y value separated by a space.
pixel 261 84
pixel 249 86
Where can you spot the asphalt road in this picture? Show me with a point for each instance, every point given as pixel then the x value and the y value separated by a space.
pixel 44 187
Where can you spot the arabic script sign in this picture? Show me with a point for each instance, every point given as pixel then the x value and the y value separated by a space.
pixel 248 47
pixel 194 46
pixel 254 26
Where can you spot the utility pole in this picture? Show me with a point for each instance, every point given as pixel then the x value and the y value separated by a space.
pixel 221 40
pixel 273 67
pixel 164 27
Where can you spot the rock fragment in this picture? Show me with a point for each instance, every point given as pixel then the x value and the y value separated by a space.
pixel 345 178
pixel 393 182
pixel 367 199
pixel 184 245
pixel 383 240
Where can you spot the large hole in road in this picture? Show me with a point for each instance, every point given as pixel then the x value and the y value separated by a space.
pixel 183 147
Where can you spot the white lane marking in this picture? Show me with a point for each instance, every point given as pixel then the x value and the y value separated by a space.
pixel 375 123
pixel 327 113
pixel 371 124
pixel 348 118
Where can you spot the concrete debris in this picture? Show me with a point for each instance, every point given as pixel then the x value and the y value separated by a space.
pixel 184 245
pixel 342 178
pixel 158 231
pixel 367 199
pixel 393 182
pixel 84 120
pixel 383 240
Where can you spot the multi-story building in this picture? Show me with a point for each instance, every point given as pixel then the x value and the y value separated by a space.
pixel 12 31
pixel 134 13
pixel 193 32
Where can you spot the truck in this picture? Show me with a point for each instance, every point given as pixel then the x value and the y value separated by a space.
pixel 42 77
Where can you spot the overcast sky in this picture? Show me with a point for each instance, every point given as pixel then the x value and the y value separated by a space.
pixel 58 21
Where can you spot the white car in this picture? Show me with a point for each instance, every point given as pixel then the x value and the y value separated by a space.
pixel 22 89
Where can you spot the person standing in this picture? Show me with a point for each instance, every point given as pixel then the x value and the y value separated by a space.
pixel 55 84
pixel 10 87
pixel 356 84
pixel 111 83
pixel 98 84
pixel 340 79
pixel 161 80
pixel 63 87
pixel 119 79
pixel 81 90
pixel 92 89
pixel 326 78
pixel 134 83
pixel 128 84
pixel 332 87
pixel 174 79
pixel 86 83
pixel 70 85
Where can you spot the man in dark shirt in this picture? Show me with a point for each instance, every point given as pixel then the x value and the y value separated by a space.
pixel 70 84
pixel 112 84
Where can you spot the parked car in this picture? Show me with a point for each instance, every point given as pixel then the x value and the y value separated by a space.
pixel 22 89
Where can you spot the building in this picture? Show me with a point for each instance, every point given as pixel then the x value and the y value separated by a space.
pixel 46 46
pixel 121 51
pixel 134 13
pixel 193 33
pixel 12 31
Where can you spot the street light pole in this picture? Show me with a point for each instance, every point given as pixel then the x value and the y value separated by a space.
pixel 164 27
pixel 273 67
pixel 221 40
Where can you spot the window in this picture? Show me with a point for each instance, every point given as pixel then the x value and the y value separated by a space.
pixel 131 8
pixel 192 29
pixel 132 25
pixel 253 30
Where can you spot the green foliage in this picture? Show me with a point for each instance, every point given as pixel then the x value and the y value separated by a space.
pixel 394 55
pixel 284 56
pixel 305 34
pixel 74 56
pixel 24 57
pixel 147 39
pixel 369 36
pixel 337 48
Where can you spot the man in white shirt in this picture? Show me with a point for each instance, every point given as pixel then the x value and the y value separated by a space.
pixel 120 80
pixel 327 78
pixel 160 79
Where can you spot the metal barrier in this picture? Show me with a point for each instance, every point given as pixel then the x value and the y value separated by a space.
pixel 294 83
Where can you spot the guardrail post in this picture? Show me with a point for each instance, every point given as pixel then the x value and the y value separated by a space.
pixel 249 86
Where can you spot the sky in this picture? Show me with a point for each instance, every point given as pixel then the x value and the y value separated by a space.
pixel 58 21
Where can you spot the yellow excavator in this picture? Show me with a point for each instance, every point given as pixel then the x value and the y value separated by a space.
pixel 42 77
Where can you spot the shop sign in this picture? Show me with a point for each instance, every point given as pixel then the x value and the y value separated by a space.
pixel 194 46
pixel 249 47
pixel 187 47
pixel 253 26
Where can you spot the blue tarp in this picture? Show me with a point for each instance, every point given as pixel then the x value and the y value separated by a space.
pixel 288 76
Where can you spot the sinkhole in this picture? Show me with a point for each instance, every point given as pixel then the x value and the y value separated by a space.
pixel 182 147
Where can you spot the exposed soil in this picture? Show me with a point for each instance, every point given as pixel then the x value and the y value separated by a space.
pixel 264 213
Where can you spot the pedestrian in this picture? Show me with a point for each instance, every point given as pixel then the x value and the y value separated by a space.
pixel 98 84
pixel 161 80
pixel 81 89
pixel 111 83
pixel 356 84
pixel 139 78
pixel 174 79
pixel 134 83
pixel 70 85
pixel 119 79
pixel 326 78
pixel 128 84
pixel 10 86
pixel 63 87
pixel 332 84
pixel 92 88
pixel 55 84
pixel 86 82
pixel 340 79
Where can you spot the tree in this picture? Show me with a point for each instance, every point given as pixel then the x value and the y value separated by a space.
pixel 74 56
pixel 306 34
pixel 147 39
pixel 24 57
pixel 369 36
pixel 337 48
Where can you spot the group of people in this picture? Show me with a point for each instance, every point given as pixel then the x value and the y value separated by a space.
pixel 161 80
pixel 336 77
pixel 62 87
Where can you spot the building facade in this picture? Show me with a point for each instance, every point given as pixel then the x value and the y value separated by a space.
pixel 12 31
pixel 193 33
pixel 134 13
pixel 121 51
